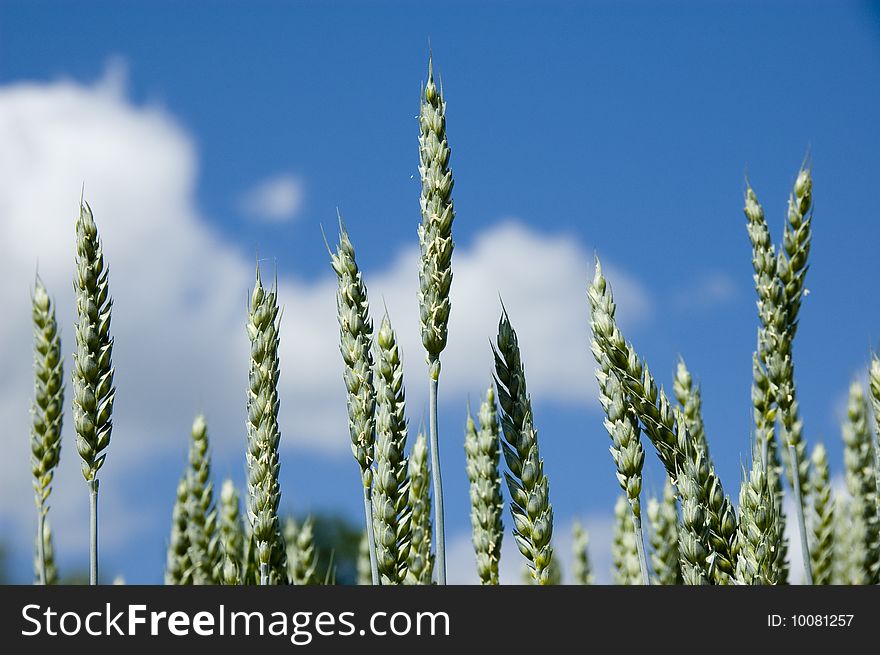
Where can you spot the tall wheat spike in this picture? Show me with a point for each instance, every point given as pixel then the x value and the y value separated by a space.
pixel 47 413
pixel 690 399
pixel 822 547
pixel 391 514
pixel 482 448
pixel 706 503
pixel 435 270
pixel 264 435
pixel 859 462
pixel 583 567
pixel 178 566
pixel 355 344
pixel 204 546
pixel 663 519
pixel 93 390
pixel 529 488
pixel 420 563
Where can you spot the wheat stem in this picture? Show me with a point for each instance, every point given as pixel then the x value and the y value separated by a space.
pixel 93 531
pixel 439 514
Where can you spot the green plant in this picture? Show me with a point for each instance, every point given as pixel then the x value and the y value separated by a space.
pixel 178 566
pixel 482 453
pixel 624 553
pixel 46 416
pixel 264 435
pixel 364 567
pixel 302 557
pixel 530 506
pixel 230 533
pixel 202 516
pixel 822 548
pixel 691 401
pixel 45 571
pixel 420 563
pixel 583 568
pixel 663 519
pixel 759 532
pixel 93 390
pixel 435 270
pixel 355 343
pixel 391 514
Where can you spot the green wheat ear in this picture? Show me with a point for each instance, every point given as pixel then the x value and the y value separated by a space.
pixel 420 563
pixel 231 534
pixel 391 514
pixel 264 435
pixel 302 556
pixel 178 566
pixel 46 415
pixel 204 544
pixel 583 568
pixel 483 451
pixel 663 519
pixel 529 488
pixel 624 553
pixel 822 547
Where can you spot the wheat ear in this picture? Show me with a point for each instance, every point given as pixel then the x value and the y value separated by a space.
pixel 663 519
pixel 302 556
pixel 264 435
pixel 691 401
pixel 583 567
pixel 874 385
pixel 230 534
pixel 529 488
pixel 420 563
pixel 355 343
pixel 435 270
pixel 391 514
pixel 204 546
pixel 93 390
pixel 670 436
pixel 822 548
pixel 858 459
pixel 178 566
pixel 47 413
pixel 482 454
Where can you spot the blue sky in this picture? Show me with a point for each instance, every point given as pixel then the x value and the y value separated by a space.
pixel 624 129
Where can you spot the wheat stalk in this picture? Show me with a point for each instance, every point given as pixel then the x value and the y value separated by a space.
pixel 583 567
pixel 670 436
pixel 822 548
pixel 230 533
pixel 482 454
pixel 663 519
pixel 45 571
pixel 178 566
pixel 624 552
pixel 302 557
pixel 355 342
pixel 759 533
pixel 435 270
pixel 264 434
pixel 204 547
pixel 529 488
pixel 861 483
pixel 420 563
pixel 391 515
pixel 93 390
pixel 46 413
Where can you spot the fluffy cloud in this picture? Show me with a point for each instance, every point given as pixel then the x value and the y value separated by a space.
pixel 275 200
pixel 180 290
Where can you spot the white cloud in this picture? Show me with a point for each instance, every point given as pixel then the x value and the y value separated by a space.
pixel 180 293
pixel 275 200
pixel 709 290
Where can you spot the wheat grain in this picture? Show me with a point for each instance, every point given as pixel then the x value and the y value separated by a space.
pixel 93 390
pixel 482 455
pixel 529 488
pixel 355 342
pixel 663 519
pixel 46 412
pixel 178 566
pixel 204 546
pixel 822 548
pixel 264 434
pixel 420 563
pixel 435 271
pixel 391 515
pixel 859 462
pixel 583 567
